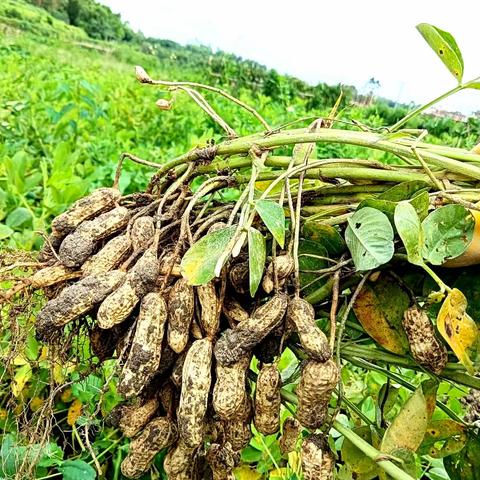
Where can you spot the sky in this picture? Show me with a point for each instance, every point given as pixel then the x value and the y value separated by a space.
pixel 343 41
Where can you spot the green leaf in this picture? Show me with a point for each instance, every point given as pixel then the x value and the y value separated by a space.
pixel 198 263
pixel 443 437
pixel 369 237
pixel 474 85
pixel 77 470
pixel 359 465
pixel 385 206
pixel 448 233
pixel 310 281
pixel 326 236
pixel 445 46
pixel 403 191
pixel 421 202
pixel 410 230
pixel 5 232
pixel 465 465
pixel 409 426
pixel 273 217
pixel 257 253
pixel 18 217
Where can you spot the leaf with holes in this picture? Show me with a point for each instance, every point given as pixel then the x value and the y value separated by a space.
pixel 448 233
pixel 273 217
pixel 369 237
pixel 465 465
pixel 445 46
pixel 198 263
pixel 257 253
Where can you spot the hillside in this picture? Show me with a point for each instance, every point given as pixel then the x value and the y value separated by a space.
pixel 69 105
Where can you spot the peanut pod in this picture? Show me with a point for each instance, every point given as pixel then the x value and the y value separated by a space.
pixel 318 462
pixel 144 357
pixel 237 342
pixel 84 209
pixel 79 245
pixel 229 390
pixel 283 266
pixel 76 300
pixel 314 342
pixel 120 303
pixel 181 304
pixel 316 385
pixel 196 380
pixel 159 433
pixel 109 257
pixel 426 348
pixel 267 400
pixel 209 319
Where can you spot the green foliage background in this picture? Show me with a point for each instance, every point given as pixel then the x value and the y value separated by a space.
pixel 69 105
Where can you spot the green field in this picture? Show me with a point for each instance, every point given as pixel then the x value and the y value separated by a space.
pixel 69 107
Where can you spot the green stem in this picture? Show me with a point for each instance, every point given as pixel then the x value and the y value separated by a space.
pixel 422 108
pixel 371 452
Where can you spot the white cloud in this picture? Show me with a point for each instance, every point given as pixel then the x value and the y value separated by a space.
pixel 346 41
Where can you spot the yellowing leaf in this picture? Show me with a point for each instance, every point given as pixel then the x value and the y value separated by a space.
pixel 57 373
pixel 36 403
pixel 409 426
pixel 22 376
pixel 66 395
pixel 3 414
pixel 43 354
pixel 74 412
pixel 20 360
pixel 457 327
pixel 246 473
pixel 278 473
pixel 379 308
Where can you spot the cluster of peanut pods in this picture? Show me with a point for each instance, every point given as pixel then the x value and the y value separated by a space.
pixel 184 353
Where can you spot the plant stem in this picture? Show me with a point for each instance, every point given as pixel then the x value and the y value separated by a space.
pixel 361 444
pixel 422 108
pixel 371 452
